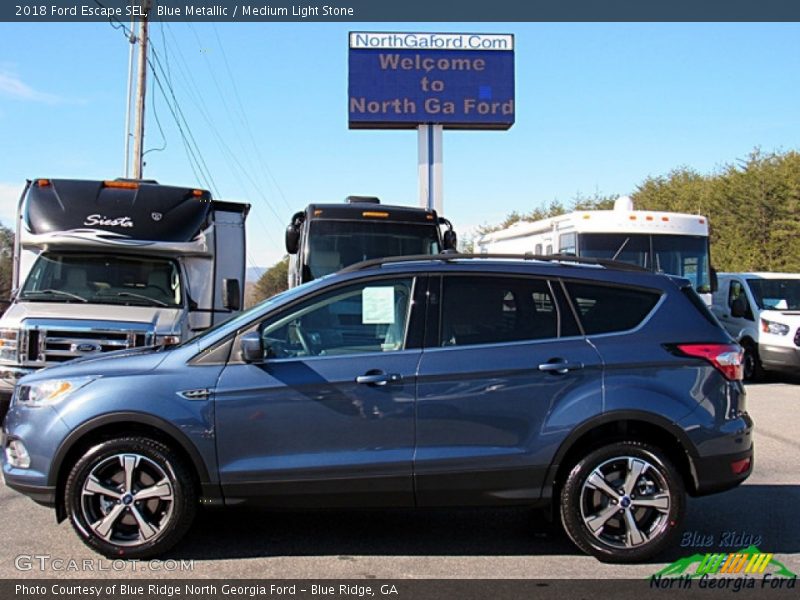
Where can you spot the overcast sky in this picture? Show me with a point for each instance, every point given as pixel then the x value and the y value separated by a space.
pixel 599 108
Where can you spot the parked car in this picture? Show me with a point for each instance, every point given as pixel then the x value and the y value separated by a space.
pixel 762 312
pixel 598 389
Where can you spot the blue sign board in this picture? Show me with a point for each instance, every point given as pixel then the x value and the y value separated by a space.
pixel 458 80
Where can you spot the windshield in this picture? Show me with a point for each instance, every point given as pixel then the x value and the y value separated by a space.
pixel 682 255
pixel 776 294
pixel 337 244
pixel 103 279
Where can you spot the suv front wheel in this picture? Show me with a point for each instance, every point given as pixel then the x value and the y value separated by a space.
pixel 623 502
pixel 130 497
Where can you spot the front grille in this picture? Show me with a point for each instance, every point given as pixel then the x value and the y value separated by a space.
pixel 45 346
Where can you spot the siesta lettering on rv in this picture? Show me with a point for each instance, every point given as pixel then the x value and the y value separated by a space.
pixel 106 222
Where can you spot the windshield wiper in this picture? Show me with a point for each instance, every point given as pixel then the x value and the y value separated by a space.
pixel 621 248
pixel 55 293
pixel 155 301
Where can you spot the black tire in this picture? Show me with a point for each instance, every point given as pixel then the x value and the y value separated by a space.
pixel 582 503
pixel 753 369
pixel 139 528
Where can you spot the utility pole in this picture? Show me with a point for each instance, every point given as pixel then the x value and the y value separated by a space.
pixel 141 89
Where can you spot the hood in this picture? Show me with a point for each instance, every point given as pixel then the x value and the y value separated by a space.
pixel 108 364
pixel 161 320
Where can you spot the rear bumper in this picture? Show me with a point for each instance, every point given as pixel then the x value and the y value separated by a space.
pixel 714 474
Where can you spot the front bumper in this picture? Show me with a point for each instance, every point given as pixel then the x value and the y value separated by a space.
pixel 41 430
pixel 779 358
pixel 44 495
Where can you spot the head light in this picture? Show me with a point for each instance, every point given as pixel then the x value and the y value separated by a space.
pixel 774 327
pixel 8 344
pixel 50 391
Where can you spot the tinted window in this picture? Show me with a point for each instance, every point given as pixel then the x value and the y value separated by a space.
pixel 337 244
pixel 776 294
pixel 488 310
pixel 624 247
pixel 369 317
pixel 604 309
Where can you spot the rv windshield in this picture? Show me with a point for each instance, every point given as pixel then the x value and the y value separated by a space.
pixel 776 294
pixel 103 279
pixel 682 255
pixel 334 245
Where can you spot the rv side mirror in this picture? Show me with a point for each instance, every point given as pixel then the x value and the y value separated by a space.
pixel 739 307
pixel 231 294
pixel 714 281
pixel 252 347
pixel 292 238
pixel 450 240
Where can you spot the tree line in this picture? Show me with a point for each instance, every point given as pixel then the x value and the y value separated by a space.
pixel 753 207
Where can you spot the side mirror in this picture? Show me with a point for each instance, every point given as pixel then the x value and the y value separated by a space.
pixel 252 347
pixel 292 239
pixel 231 294
pixel 739 307
pixel 714 281
pixel 450 240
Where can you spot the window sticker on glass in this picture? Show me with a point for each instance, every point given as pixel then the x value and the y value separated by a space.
pixel 377 305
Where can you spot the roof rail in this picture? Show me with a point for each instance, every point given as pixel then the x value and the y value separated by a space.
pixel 565 259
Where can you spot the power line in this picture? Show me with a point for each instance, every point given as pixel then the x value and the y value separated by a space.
pixel 234 164
pixel 245 122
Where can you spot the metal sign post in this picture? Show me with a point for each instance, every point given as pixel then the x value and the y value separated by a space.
pixel 429 151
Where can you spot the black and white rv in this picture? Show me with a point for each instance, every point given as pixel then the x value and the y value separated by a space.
pixel 108 265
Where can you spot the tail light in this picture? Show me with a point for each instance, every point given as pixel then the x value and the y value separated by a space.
pixel 728 359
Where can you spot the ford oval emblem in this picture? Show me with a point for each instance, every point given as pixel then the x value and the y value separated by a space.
pixel 86 347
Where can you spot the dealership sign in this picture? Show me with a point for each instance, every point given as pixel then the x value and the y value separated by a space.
pixel 458 80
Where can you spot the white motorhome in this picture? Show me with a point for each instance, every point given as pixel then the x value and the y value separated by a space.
pixel 109 265
pixel 662 242
pixel 761 311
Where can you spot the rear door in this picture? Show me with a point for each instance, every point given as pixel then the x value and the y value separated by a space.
pixel 504 377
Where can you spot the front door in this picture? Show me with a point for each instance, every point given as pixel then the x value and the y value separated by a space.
pixel 328 416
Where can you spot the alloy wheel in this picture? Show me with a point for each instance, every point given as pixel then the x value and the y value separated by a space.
pixel 625 502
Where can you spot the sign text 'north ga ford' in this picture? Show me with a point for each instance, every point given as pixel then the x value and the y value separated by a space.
pixel 458 80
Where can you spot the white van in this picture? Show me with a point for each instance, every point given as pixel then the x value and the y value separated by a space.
pixel 762 312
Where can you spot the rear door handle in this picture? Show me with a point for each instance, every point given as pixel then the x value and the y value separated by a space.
pixel 379 378
pixel 560 366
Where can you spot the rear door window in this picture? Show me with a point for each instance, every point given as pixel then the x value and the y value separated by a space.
pixel 493 310
pixel 607 309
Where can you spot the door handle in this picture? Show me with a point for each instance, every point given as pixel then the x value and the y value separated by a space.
pixel 560 366
pixel 379 378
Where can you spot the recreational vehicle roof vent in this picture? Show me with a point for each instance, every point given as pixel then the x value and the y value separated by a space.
pixel 362 200
pixel 623 203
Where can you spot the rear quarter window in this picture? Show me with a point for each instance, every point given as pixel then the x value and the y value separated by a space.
pixel 608 309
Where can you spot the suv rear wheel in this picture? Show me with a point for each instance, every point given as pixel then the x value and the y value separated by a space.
pixel 623 502
pixel 130 497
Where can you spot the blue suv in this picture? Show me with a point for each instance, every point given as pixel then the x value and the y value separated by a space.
pixel 599 390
